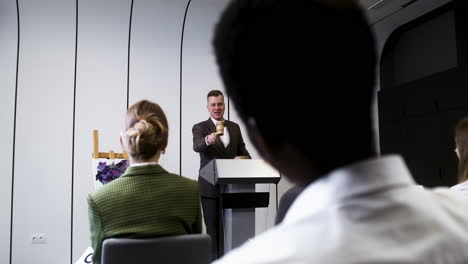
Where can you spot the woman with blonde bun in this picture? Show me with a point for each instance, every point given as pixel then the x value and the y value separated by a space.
pixel 146 201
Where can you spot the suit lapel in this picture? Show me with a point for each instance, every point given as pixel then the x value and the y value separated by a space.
pixel 211 125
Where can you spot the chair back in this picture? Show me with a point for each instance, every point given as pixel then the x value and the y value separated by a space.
pixel 180 249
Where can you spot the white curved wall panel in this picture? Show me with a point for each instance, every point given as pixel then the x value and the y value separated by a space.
pixel 199 75
pixel 54 121
pixel 101 96
pixel 8 53
pixel 155 65
pixel 43 153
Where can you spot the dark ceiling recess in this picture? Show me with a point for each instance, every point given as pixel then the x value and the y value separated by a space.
pixel 424 92
pixel 379 10
pixel 408 3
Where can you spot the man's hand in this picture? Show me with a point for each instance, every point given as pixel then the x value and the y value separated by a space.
pixel 241 157
pixel 211 138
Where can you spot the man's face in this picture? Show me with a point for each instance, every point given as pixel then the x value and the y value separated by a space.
pixel 216 106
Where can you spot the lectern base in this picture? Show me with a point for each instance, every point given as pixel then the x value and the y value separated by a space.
pixel 236 181
pixel 239 223
pixel 239 226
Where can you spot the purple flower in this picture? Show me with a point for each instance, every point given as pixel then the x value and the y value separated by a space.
pixel 107 173
pixel 101 166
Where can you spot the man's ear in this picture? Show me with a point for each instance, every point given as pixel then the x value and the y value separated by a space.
pixel 286 158
pixel 267 152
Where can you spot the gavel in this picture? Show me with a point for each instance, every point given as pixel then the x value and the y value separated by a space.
pixel 219 128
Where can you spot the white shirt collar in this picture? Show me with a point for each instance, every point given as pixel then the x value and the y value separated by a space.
pixel 215 121
pixel 143 164
pixel 461 187
pixel 363 177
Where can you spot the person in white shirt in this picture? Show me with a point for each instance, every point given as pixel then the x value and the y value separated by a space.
pixel 461 143
pixel 301 75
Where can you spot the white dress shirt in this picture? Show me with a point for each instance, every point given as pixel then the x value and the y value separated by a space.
pixel 369 212
pixel 461 188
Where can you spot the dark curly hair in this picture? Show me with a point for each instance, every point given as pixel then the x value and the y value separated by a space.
pixel 290 64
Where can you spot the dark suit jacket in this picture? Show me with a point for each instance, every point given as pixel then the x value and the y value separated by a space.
pixel 235 148
pixel 146 201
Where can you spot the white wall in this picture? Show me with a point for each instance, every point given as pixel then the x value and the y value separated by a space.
pixel 44 118
pixel 155 65
pixel 60 103
pixel 101 96
pixel 200 75
pixel 8 53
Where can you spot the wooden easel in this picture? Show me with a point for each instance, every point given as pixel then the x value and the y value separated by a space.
pixel 108 155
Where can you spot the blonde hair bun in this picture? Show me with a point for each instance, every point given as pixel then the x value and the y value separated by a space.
pixel 147 130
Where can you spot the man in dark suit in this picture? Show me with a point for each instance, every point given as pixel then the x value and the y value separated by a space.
pixel 211 145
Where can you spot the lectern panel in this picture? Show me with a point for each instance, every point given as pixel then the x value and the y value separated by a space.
pixel 229 171
pixel 245 200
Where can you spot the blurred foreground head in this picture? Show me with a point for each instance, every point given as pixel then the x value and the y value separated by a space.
pixel 301 75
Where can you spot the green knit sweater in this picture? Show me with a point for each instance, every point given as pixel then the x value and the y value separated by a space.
pixel 146 201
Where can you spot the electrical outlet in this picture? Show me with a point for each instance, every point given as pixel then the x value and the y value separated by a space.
pixel 38 238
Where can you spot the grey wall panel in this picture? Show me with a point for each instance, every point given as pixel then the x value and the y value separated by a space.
pixel 385 27
pixel 43 151
pixel 155 65
pixel 410 54
pixel 101 96
pixel 8 53
pixel 199 74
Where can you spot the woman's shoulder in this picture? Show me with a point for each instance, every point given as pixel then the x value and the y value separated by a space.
pixel 182 183
pixel 112 188
pixel 462 187
pixel 184 180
